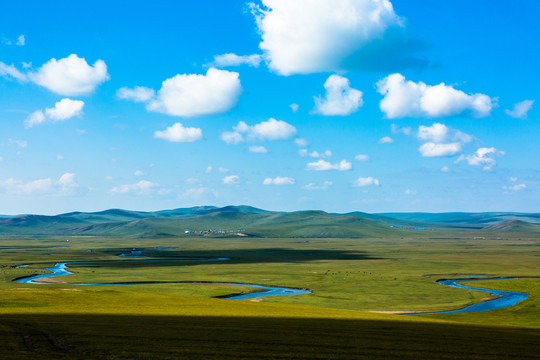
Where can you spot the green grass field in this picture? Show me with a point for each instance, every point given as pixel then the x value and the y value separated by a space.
pixel 351 279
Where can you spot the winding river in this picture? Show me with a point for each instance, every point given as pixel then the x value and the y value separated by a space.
pixel 61 269
pixel 503 298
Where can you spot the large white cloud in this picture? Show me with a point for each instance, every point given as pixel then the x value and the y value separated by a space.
pixel 231 59
pixel 409 99
pixel 307 36
pixel 178 133
pixel 520 109
pixel 62 110
pixel 323 165
pixel 279 180
pixel 71 75
pixel 485 157
pixel 189 95
pixel 270 129
pixel 340 98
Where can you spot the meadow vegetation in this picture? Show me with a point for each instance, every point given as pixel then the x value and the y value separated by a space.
pixel 352 279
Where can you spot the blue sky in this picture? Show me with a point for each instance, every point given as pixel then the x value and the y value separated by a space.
pixel 342 105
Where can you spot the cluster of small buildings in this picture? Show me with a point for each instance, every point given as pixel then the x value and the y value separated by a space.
pixel 407 227
pixel 214 232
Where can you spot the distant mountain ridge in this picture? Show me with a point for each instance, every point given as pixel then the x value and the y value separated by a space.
pixel 251 221
pixel 481 218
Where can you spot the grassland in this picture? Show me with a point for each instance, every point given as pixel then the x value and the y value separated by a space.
pixel 350 278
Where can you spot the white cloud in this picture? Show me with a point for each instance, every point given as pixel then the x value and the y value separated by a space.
pixel 520 109
pixel 515 187
pixel 189 95
pixel 35 118
pixel 485 157
pixel 431 149
pixel 436 132
pixel 208 170
pixel 386 140
pixel 237 60
pixel 63 186
pixel 340 98
pixel 366 181
pixel 323 165
pixel 59 157
pixel 191 181
pixel 362 157
pixel 407 98
pixel 11 71
pixel 198 193
pixel 306 36
pixel 271 129
pixel 301 142
pixel 441 140
pixel 258 149
pixel 410 192
pixel 513 179
pixel 137 94
pixel 279 181
pixel 143 187
pixel 445 169
pixel 178 133
pixel 315 154
pixel 232 137
pixel 401 130
pixel 18 143
pixel 294 107
pixel 223 170
pixel 138 173
pixel 71 75
pixel 67 180
pixel 21 40
pixel 322 186
pixel 62 110
pixel 231 179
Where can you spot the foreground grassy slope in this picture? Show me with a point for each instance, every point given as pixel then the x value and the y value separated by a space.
pixel 122 324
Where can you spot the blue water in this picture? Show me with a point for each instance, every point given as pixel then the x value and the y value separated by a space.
pixel 505 298
pixel 60 269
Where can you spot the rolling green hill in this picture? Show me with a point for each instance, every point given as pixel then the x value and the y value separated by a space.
pixel 250 221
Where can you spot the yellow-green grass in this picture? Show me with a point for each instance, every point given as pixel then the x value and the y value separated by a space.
pixel 358 274
pixel 120 323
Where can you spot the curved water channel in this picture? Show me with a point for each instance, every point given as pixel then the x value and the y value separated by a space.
pixel 60 269
pixel 504 298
